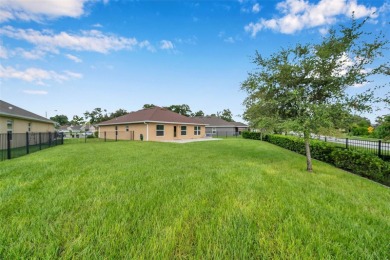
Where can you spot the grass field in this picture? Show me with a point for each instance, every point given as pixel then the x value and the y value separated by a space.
pixel 233 198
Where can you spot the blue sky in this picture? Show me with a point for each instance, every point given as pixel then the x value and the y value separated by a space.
pixel 67 57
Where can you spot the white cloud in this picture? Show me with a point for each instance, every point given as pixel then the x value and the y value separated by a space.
pixel 92 40
pixel 256 8
pixel 35 92
pixel 190 41
pixel 34 54
pixel 300 14
pixel 147 45
pixel 229 40
pixel 39 10
pixel 36 75
pixel 73 75
pixel 3 52
pixel 166 45
pixel 97 25
pixel 323 31
pixel 73 58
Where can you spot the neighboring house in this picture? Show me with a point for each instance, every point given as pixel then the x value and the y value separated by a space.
pixel 153 124
pixel 88 127
pixel 218 127
pixel 17 120
pixel 69 130
pixel 240 127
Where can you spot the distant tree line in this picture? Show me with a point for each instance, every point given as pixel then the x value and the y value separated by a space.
pixel 98 115
pixel 185 110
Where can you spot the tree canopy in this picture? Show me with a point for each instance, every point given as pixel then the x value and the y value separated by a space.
pixel 60 119
pixel 183 109
pixel 77 120
pixel 305 86
pixel 226 115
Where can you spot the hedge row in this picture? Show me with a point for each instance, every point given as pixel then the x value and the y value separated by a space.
pixel 358 162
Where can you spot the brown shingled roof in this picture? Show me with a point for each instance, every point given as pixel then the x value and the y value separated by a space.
pixel 9 110
pixel 154 114
pixel 214 121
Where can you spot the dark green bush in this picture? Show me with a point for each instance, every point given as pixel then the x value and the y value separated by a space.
pixel 251 135
pixel 358 162
pixel 358 131
pixel 364 164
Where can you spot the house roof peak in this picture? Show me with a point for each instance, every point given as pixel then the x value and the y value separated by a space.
pixel 10 110
pixel 153 114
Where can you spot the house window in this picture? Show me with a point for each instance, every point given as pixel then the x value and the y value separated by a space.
pixel 214 130
pixel 197 130
pixel 29 127
pixel 160 130
pixel 127 128
pixel 183 130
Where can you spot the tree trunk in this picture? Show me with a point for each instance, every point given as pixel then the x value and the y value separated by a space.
pixel 306 136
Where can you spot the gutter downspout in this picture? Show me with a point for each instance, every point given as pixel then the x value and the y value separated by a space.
pixel 147 131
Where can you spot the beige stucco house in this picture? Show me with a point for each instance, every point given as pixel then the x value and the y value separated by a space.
pixel 152 124
pixel 18 120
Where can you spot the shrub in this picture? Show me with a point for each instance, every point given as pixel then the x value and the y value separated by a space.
pixel 358 162
pixel 358 130
pixel 361 163
pixel 251 135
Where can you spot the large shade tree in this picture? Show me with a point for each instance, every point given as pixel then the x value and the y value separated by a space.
pixel 306 85
pixel 60 119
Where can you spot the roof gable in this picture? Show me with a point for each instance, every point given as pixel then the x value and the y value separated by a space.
pixel 9 110
pixel 154 114
pixel 219 122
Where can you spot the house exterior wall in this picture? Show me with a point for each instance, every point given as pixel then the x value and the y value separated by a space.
pixel 123 134
pixel 149 132
pixel 169 132
pixel 21 125
pixel 230 131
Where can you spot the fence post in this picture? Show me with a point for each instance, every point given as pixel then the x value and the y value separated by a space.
pixel 379 148
pixel 325 138
pixel 27 144
pixel 49 139
pixel 40 141
pixel 85 137
pixel 346 143
pixel 116 136
pixel 9 137
pixel 105 136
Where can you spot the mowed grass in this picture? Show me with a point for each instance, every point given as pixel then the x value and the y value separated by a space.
pixel 228 199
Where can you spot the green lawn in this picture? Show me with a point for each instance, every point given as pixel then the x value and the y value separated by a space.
pixel 228 199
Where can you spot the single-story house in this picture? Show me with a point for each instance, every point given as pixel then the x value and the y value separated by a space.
pixel 218 127
pixel 69 130
pixel 88 127
pixel 18 120
pixel 152 124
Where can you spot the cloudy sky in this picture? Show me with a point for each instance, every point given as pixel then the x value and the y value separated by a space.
pixel 66 57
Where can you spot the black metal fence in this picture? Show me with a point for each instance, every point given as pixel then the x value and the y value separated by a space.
pixel 224 134
pixel 14 145
pixel 379 147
